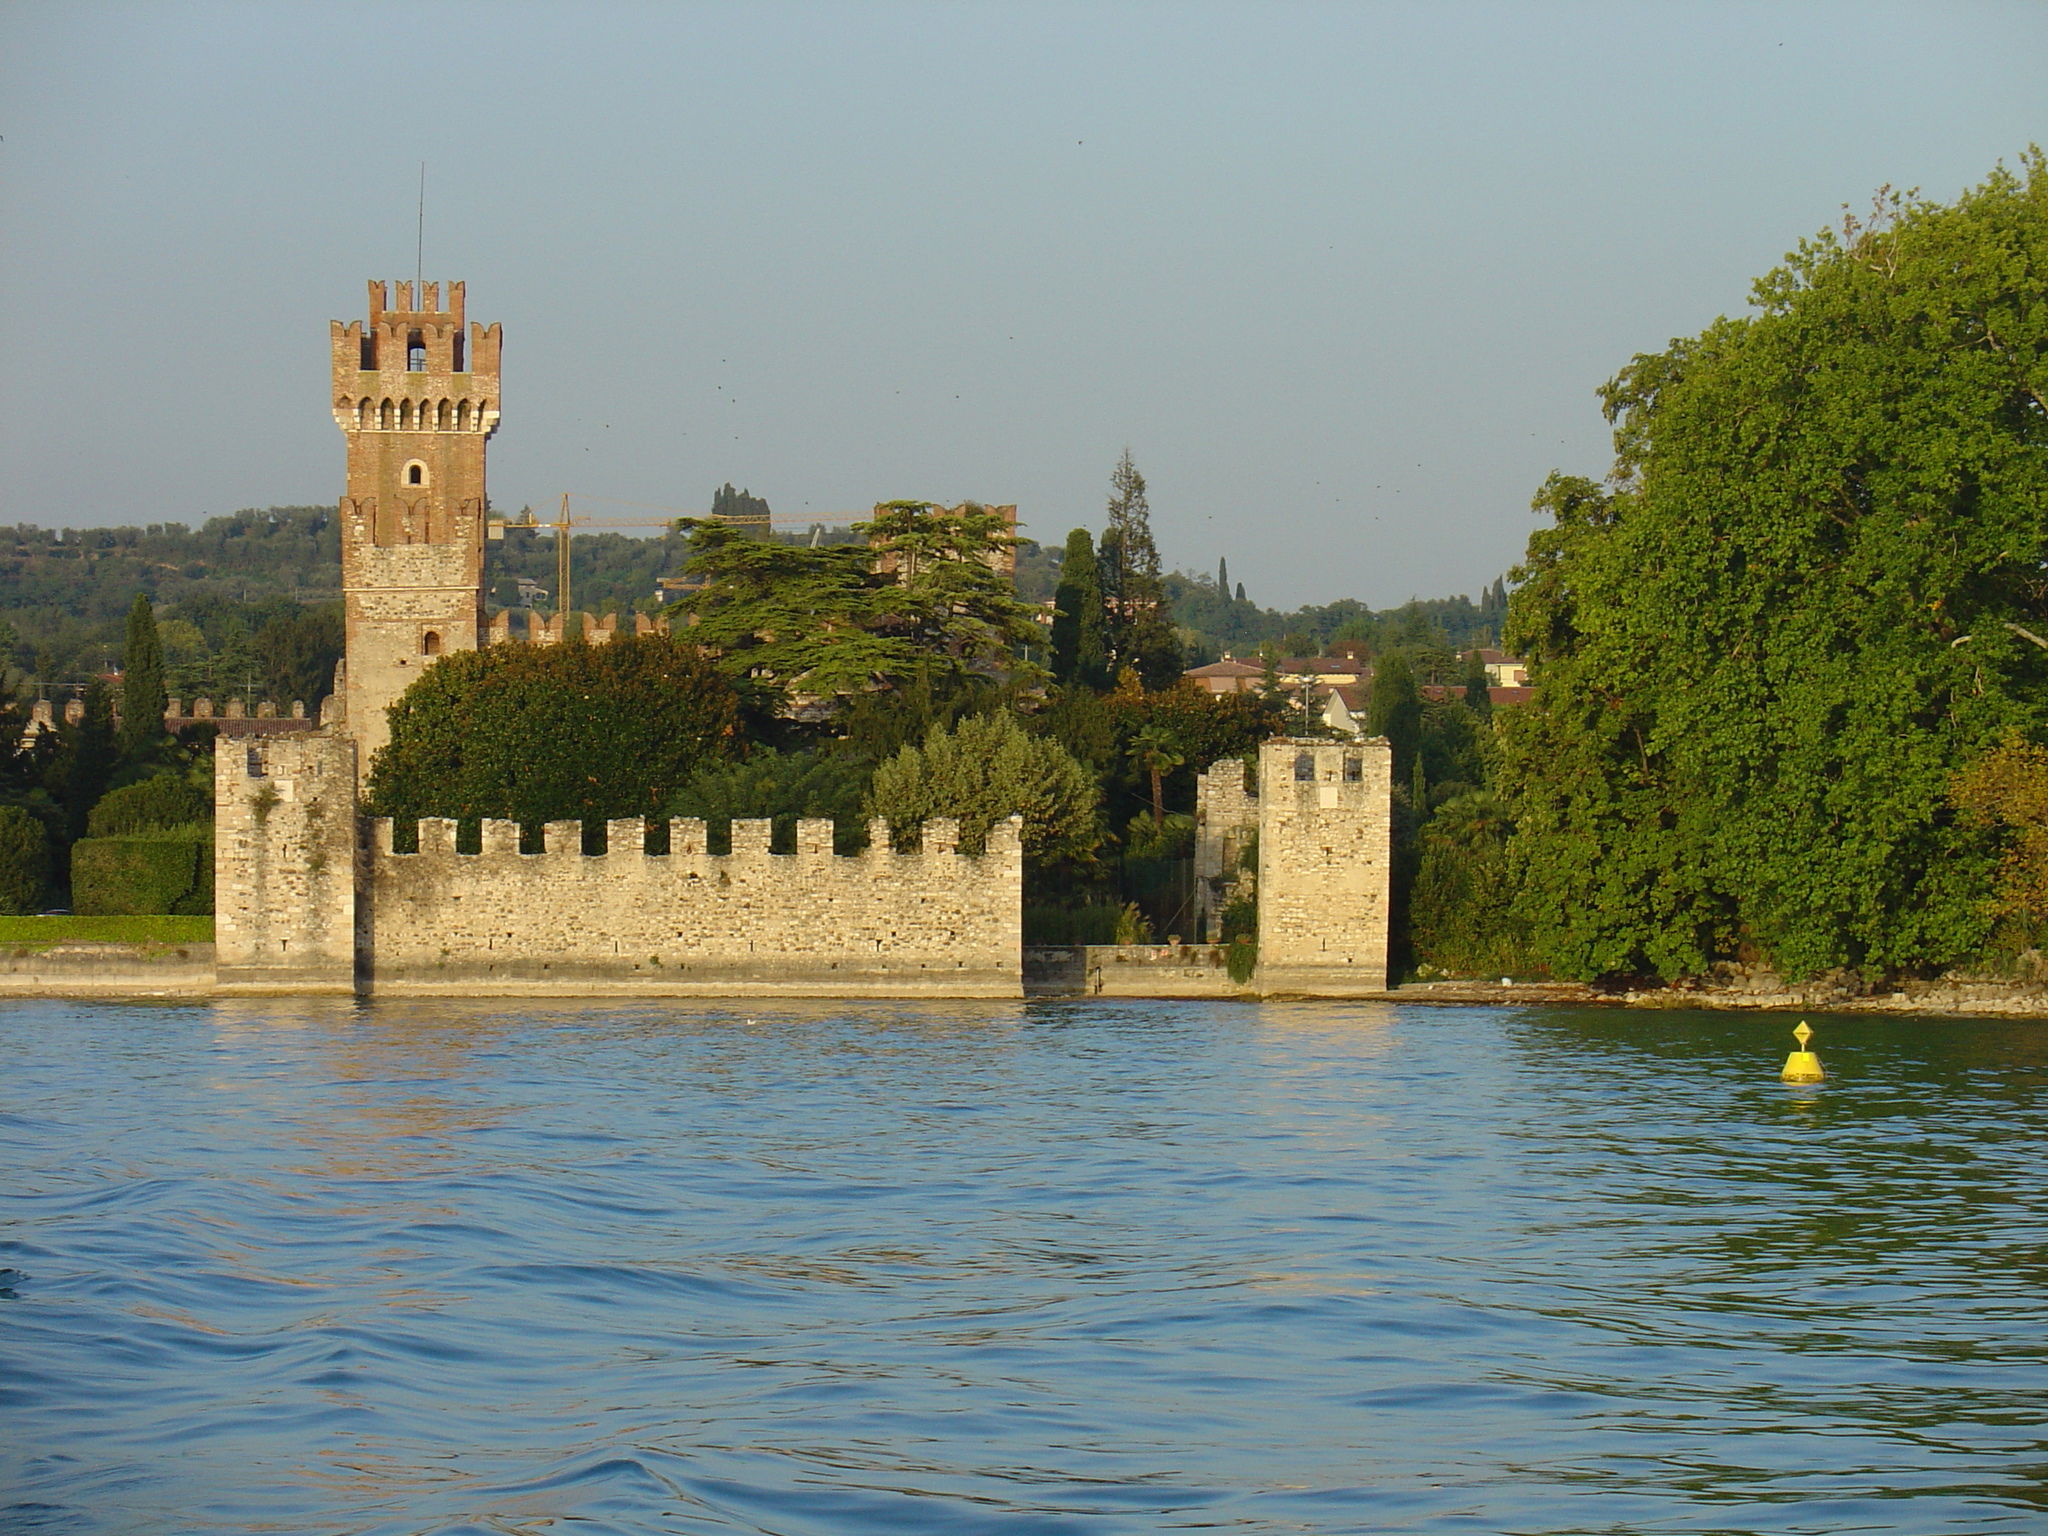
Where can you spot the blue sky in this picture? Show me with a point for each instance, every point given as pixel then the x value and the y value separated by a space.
pixel 1343 277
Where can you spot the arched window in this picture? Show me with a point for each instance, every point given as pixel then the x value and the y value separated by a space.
pixel 416 473
pixel 1304 767
pixel 430 643
pixel 363 412
pixel 441 422
pixel 462 417
pixel 415 352
pixel 384 416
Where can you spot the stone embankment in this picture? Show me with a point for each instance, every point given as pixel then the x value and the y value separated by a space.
pixel 82 968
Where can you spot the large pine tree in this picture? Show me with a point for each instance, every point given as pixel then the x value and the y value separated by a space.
pixel 1139 632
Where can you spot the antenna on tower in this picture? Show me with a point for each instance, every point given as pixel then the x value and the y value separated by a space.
pixel 419 247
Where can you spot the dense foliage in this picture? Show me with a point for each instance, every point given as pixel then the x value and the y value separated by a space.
pixel 24 860
pixel 558 732
pixel 923 595
pixel 983 771
pixel 1806 596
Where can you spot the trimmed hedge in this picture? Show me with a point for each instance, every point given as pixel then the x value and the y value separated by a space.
pixel 170 871
pixel 165 801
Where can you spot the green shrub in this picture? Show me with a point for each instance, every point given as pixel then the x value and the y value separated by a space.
pixel 24 861
pixel 166 871
pixel 1241 958
pixel 165 800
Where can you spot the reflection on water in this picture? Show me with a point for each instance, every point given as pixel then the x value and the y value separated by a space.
pixel 440 1267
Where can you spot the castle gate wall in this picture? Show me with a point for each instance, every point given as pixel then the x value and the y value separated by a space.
pixel 285 862
pixel 1325 866
pixel 689 923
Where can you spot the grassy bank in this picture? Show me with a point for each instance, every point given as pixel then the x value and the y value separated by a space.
pixel 28 933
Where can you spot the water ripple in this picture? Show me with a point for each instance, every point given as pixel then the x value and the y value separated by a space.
pixel 440 1268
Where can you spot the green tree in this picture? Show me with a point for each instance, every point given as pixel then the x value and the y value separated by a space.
pixel 783 787
pixel 925 592
pixel 1393 709
pixel 143 699
pixel 87 755
pixel 1156 753
pixel 1137 626
pixel 554 733
pixel 1079 652
pixel 299 652
pixel 154 804
pixel 1800 604
pixel 1478 697
pixel 986 770
pixel 24 861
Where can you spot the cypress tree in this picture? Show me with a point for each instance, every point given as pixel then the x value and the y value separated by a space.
pixel 1223 577
pixel 1477 697
pixel 1079 653
pixel 1240 592
pixel 1141 635
pixel 142 683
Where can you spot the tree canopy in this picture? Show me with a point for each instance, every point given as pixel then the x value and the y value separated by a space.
pixel 553 733
pixel 1803 599
pixel 985 770
pixel 925 592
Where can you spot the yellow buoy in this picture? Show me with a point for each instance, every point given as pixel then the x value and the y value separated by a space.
pixel 1802 1066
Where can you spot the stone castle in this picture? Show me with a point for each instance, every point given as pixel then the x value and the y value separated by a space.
pixel 312 897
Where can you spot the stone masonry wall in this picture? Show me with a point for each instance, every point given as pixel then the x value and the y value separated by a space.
pixel 1226 814
pixel 689 923
pixel 1325 866
pixel 285 862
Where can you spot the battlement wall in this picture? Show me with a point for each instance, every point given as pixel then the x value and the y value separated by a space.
pixel 883 923
pixel 284 854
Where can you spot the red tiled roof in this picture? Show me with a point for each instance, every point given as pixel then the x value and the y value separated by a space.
pixel 1226 668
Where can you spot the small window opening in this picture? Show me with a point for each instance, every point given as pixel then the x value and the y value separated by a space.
pixel 1354 770
pixel 1304 767
pixel 255 764
pixel 462 417
pixel 415 352
pixel 461 352
pixel 369 351
pixel 430 644
pixel 384 416
pixel 415 473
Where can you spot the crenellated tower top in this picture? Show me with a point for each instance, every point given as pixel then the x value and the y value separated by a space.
pixel 416 396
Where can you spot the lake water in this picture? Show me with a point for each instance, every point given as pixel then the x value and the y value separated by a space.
pixel 1068 1267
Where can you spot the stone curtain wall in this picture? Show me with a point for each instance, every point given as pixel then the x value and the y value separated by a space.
pixel 1325 866
pixel 1226 812
pixel 285 862
pixel 933 923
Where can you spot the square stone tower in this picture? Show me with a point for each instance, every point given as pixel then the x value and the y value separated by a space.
pixel 416 395
pixel 1326 865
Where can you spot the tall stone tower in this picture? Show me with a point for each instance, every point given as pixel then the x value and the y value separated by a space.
pixel 416 395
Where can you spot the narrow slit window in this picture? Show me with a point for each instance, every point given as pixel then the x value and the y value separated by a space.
pixel 255 763
pixel 368 359
pixel 461 352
